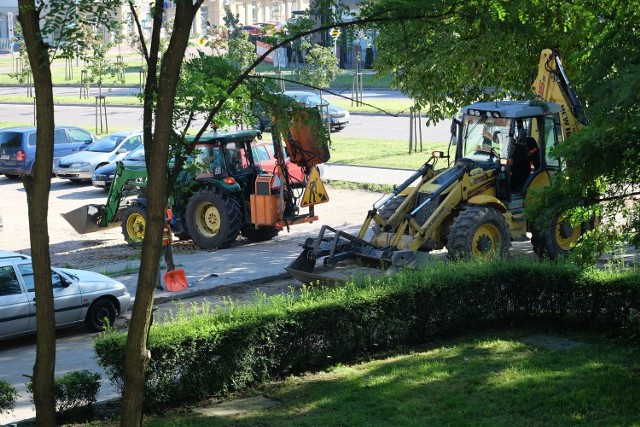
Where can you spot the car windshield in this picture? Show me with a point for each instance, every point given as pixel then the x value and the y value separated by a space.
pixel 106 144
pixel 136 154
pixel 310 100
pixel 486 138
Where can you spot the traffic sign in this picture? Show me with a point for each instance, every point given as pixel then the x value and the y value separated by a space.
pixel 315 192
pixel 335 32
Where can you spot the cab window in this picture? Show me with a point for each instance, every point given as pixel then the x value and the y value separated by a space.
pixel 552 136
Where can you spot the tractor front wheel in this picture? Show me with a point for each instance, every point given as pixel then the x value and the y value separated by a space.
pixel 478 232
pixel 213 220
pixel 134 223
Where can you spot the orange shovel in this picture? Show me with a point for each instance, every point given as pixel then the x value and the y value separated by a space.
pixel 175 280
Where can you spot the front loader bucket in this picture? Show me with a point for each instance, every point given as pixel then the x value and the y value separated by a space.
pixel 85 218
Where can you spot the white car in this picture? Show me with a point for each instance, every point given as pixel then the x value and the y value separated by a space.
pixel 81 165
pixel 339 116
pixel 79 296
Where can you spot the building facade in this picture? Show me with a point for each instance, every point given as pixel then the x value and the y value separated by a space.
pixel 212 12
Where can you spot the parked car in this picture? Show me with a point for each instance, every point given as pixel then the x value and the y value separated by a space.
pixel 253 30
pixel 265 155
pixel 339 116
pixel 103 176
pixel 18 147
pixel 78 296
pixel 113 147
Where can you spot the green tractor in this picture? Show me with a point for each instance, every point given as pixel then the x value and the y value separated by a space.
pixel 221 192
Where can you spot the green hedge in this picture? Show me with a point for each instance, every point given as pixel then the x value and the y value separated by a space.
pixel 231 348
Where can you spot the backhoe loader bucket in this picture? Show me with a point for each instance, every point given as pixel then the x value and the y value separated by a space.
pixel 85 218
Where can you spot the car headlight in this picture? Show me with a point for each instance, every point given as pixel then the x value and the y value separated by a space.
pixel 80 165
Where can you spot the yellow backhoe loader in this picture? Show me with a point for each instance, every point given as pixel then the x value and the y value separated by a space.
pixel 475 208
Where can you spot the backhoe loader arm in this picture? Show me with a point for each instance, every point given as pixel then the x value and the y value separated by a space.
pixel 552 85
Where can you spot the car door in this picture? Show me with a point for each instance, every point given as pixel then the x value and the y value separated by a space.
pixel 67 299
pixel 14 304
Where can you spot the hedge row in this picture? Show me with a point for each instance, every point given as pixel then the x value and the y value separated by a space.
pixel 231 348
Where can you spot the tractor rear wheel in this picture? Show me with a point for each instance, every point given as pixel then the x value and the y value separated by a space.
pixel 478 232
pixel 134 222
pixel 213 219
pixel 556 241
pixel 261 234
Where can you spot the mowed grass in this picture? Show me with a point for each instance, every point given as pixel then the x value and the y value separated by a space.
pixel 389 153
pixel 491 380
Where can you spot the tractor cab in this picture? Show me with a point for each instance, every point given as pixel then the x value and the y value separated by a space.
pixel 515 139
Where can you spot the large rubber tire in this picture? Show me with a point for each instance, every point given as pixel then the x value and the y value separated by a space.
pixel 99 310
pixel 556 241
pixel 478 232
pixel 134 223
pixel 213 220
pixel 387 210
pixel 261 234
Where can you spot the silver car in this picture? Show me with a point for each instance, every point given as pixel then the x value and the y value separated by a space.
pixel 81 165
pixel 339 116
pixel 79 296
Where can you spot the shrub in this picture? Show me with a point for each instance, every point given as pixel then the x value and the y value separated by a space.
pixel 231 348
pixel 75 393
pixel 8 396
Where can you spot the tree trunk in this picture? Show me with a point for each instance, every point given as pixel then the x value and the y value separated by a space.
pixel 37 187
pixel 137 355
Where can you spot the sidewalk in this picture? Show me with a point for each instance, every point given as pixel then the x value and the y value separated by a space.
pixel 252 263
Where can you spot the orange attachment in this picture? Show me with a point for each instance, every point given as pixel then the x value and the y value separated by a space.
pixel 264 209
pixel 308 145
pixel 175 280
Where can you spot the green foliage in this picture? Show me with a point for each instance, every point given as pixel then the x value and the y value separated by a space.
pixel 242 52
pixel 98 64
pixel 230 20
pixel 321 67
pixel 69 25
pixel 230 348
pixel 8 396
pixel 75 394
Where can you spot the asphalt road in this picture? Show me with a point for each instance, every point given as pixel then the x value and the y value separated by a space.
pixel 378 126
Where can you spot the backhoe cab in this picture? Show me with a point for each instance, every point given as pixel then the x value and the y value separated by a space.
pixel 475 208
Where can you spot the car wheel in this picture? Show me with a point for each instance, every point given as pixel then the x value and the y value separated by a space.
pixel 99 311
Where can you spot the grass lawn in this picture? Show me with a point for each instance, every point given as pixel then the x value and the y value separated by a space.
pixel 493 379
pixel 390 153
